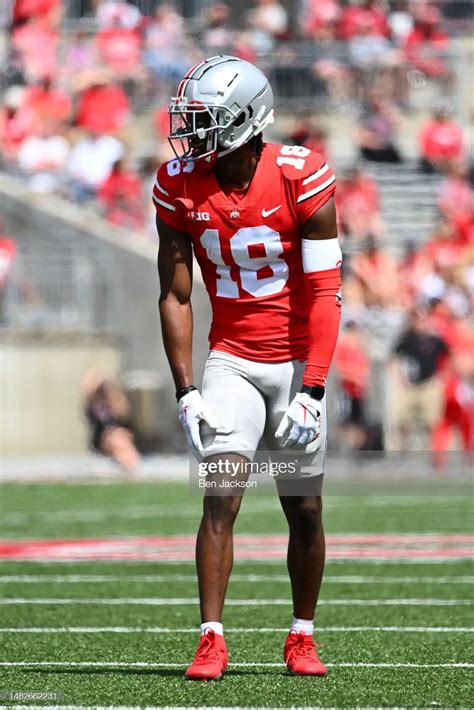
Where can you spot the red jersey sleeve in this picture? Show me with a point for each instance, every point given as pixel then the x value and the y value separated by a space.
pixel 315 189
pixel 312 182
pixel 167 190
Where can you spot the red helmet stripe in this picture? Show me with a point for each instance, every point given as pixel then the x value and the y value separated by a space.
pixel 182 85
pixel 193 69
pixel 184 81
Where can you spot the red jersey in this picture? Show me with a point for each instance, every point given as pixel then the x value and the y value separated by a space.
pixel 8 250
pixel 353 365
pixel 354 19
pixel 441 140
pixel 120 49
pixel 446 252
pixel 23 9
pixel 103 109
pixel 248 246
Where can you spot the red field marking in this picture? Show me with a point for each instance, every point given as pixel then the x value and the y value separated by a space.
pixel 250 547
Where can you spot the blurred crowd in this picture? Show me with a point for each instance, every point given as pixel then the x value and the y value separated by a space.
pixel 76 94
pixel 83 115
pixel 404 362
pixel 412 310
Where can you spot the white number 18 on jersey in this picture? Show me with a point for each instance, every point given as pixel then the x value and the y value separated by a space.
pixel 249 266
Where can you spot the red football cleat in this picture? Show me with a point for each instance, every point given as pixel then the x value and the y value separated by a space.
pixel 210 660
pixel 301 656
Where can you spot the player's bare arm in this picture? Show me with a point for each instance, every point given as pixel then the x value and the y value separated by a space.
pixel 175 270
pixel 322 224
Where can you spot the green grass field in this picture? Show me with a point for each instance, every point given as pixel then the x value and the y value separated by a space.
pixel 99 648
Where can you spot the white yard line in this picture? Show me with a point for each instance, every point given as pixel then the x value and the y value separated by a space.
pixel 183 601
pixel 328 579
pixel 133 513
pixel 91 516
pixel 157 510
pixel 332 561
pixel 245 630
pixel 180 707
pixel 146 664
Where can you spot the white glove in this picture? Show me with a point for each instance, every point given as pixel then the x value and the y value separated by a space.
pixel 191 411
pixel 301 422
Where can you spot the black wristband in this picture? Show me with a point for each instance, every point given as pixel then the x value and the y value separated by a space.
pixel 316 392
pixel 184 390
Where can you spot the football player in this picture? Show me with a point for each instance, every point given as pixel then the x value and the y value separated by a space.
pixel 261 222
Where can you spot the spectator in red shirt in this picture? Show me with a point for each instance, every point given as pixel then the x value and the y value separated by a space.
pixel 458 410
pixel 363 14
pixel 319 16
pixel 464 225
pixel 358 205
pixel 441 142
pixel 444 247
pixel 352 368
pixel 8 251
pixel 24 9
pixel 426 44
pixel 120 49
pixel 37 44
pixel 456 196
pixel 121 195
pixel 45 101
pixel 13 126
pixel 102 108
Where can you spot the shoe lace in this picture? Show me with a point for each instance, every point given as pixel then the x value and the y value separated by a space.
pixel 207 650
pixel 305 647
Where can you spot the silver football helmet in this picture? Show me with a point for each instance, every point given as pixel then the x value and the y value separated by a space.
pixel 221 103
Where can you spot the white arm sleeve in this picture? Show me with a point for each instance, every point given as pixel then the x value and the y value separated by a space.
pixel 320 254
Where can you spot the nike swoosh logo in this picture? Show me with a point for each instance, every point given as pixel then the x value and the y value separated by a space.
pixel 267 213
